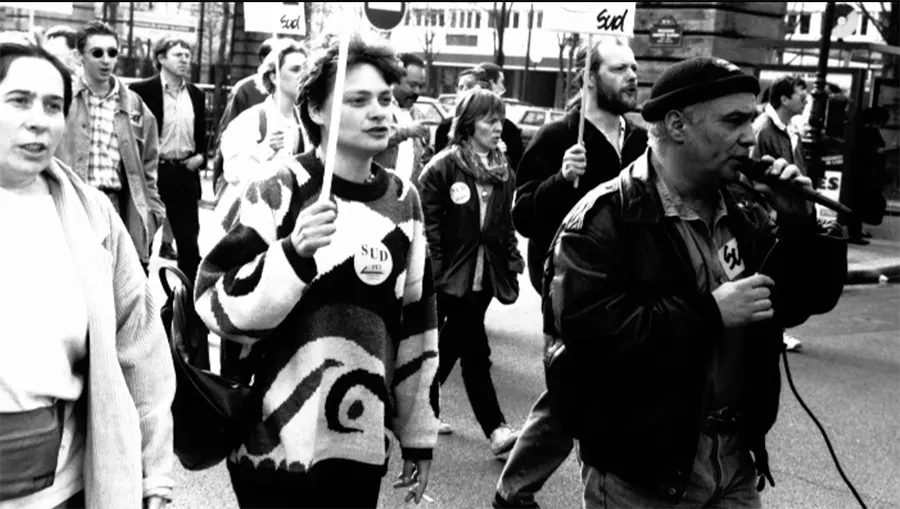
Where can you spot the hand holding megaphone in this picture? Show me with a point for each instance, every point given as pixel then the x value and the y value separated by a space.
pixel 790 192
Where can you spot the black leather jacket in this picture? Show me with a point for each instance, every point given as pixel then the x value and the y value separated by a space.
pixel 454 232
pixel 621 294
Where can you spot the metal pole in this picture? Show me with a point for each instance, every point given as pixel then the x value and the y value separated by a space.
pixel 814 164
pixel 528 54
pixel 196 75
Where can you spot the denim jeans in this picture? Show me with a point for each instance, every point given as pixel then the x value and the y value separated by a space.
pixel 723 476
pixel 541 449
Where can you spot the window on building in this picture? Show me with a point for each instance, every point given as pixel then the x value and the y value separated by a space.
pixel 864 26
pixel 408 17
pixel 791 22
pixel 470 19
pixel 452 19
pixel 477 20
pixel 441 18
pixel 805 19
pixel 419 17
pixel 515 19
pixel 540 19
pixel 491 21
pixel 462 40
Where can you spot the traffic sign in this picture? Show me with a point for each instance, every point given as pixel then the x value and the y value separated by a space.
pixel 666 32
pixel 385 15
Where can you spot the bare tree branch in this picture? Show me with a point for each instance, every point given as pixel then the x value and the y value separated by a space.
pixel 881 27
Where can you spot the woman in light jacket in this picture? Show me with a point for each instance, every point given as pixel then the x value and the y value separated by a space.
pixel 271 128
pixel 86 377
pixel 467 195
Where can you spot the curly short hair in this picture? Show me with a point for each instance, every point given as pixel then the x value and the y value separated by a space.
pixel 318 84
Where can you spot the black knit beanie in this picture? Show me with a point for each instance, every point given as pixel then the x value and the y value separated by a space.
pixel 694 81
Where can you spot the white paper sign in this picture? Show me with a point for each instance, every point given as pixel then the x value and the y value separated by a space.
pixel 57 7
pixel 830 186
pixel 604 18
pixel 274 18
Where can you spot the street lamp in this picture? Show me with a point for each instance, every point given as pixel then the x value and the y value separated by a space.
pixel 816 141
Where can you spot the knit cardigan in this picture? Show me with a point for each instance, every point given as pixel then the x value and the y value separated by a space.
pixel 347 339
pixel 130 382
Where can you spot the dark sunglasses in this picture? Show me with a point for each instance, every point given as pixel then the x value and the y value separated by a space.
pixel 98 52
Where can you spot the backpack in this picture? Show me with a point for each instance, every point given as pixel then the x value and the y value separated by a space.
pixel 218 176
pixel 208 409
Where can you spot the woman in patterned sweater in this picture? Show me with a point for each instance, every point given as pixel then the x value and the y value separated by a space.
pixel 334 302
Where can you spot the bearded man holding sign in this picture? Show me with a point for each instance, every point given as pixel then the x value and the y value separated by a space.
pixel 334 292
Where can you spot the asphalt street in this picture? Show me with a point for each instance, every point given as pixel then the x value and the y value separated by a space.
pixel 848 374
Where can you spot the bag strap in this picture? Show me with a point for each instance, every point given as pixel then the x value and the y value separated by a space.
pixel 180 275
pixel 263 121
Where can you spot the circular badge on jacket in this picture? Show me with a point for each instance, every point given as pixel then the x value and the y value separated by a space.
pixel 460 193
pixel 373 263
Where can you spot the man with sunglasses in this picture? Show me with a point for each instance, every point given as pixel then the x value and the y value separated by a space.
pixel 111 138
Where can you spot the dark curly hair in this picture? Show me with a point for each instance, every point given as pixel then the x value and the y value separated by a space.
pixel 318 84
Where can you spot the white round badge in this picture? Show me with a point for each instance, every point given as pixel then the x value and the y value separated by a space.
pixel 373 263
pixel 460 193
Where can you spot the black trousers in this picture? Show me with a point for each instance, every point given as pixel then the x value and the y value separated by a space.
pixel 332 484
pixel 463 338
pixel 179 189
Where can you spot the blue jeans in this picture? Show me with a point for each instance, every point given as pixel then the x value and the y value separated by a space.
pixel 723 476
pixel 542 447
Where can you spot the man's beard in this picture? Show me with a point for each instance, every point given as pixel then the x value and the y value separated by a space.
pixel 612 103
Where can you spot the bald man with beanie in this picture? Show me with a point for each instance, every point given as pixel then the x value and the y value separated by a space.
pixel 666 294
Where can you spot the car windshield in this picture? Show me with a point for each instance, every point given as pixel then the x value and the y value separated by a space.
pixel 429 111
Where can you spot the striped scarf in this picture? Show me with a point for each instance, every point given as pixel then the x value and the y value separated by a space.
pixel 496 172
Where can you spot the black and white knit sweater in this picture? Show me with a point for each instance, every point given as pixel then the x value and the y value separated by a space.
pixel 346 340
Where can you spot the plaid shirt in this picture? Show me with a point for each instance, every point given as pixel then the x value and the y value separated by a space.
pixel 103 164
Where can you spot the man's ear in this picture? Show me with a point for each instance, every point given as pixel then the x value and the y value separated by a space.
pixel 676 123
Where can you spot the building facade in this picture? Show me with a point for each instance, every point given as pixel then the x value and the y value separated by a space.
pixel 455 36
pixel 853 24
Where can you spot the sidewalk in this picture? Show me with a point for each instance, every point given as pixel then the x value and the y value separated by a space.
pixel 865 264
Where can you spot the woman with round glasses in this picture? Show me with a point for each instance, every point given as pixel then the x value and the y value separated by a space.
pixel 86 377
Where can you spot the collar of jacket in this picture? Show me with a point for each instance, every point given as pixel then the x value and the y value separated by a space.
pixel 572 118
pixel 79 88
pixel 641 203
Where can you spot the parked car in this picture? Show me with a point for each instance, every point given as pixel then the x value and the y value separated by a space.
pixel 448 101
pixel 531 118
pixel 431 109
